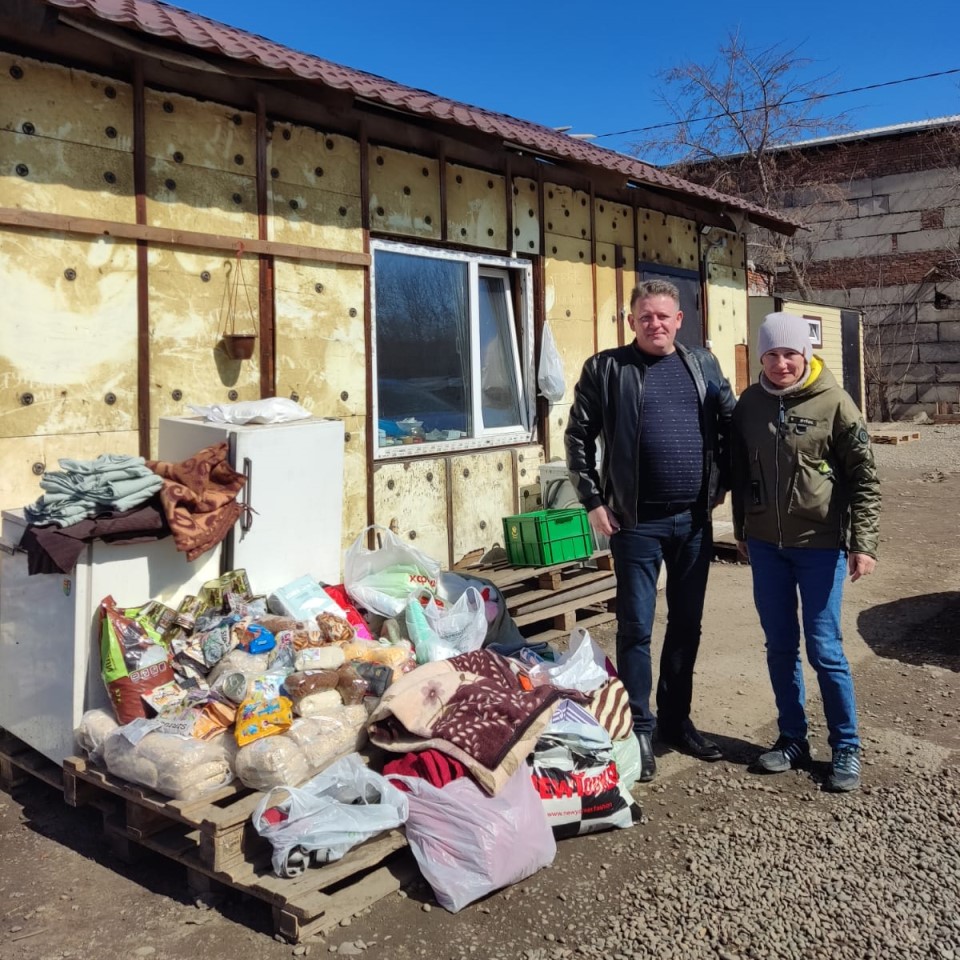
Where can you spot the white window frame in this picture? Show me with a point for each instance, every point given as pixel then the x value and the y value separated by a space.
pixel 478 264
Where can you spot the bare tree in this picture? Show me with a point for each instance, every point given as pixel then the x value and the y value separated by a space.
pixel 730 117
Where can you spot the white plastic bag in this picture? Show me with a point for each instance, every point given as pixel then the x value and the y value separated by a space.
pixel 550 372
pixel 469 844
pixel 383 580
pixel 582 667
pixel 331 813
pixel 441 633
pixel 269 410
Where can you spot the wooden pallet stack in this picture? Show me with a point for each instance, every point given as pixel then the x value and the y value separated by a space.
pixel 214 840
pixel 546 603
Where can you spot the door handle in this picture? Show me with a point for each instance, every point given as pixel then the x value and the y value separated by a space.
pixel 246 516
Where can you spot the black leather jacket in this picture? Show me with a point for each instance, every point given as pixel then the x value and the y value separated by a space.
pixel 607 404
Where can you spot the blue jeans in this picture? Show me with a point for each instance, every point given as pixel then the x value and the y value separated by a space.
pixel 818 575
pixel 684 543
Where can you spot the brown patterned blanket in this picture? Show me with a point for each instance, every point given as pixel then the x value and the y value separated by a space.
pixel 199 498
pixel 470 707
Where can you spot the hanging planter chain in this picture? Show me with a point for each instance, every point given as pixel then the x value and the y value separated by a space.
pixel 239 346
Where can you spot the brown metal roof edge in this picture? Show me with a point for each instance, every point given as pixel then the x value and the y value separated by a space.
pixel 162 20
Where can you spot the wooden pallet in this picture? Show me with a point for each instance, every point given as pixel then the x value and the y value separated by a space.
pixel 20 763
pixel 215 841
pixel 546 603
pixel 894 438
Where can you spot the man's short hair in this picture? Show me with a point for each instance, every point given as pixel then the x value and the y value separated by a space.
pixel 654 288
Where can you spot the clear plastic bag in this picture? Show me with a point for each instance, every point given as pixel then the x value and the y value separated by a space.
pixel 582 667
pixel 331 813
pixel 469 844
pixel 550 372
pixel 441 633
pixel 268 410
pixel 382 581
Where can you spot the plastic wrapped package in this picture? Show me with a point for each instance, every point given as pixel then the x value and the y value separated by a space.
pixel 177 768
pixel 334 628
pixel 239 661
pixel 320 658
pixel 262 718
pixel 94 727
pixel 320 702
pixel 272 762
pixel 398 656
pixel 302 683
pixel 324 738
pixel 351 685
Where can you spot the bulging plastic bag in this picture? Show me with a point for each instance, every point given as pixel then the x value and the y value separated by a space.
pixel 383 580
pixel 441 633
pixel 582 667
pixel 331 813
pixel 550 372
pixel 469 844
pixel 268 410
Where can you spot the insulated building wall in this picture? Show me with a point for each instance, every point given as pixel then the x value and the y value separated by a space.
pixel 68 343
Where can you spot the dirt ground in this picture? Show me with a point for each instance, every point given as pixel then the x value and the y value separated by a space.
pixel 63 895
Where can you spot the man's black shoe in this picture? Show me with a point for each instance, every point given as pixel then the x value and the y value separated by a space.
pixel 648 762
pixel 688 740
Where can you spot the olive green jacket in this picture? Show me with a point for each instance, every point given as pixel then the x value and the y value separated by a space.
pixel 803 470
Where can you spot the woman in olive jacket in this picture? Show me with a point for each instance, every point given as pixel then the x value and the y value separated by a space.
pixel 806 503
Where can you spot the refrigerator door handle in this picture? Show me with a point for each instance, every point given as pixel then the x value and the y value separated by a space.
pixel 246 517
pixel 10 549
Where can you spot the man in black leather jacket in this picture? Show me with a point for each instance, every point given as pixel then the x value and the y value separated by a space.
pixel 662 412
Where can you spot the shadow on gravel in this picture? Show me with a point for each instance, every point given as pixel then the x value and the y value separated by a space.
pixel 80 829
pixel 734 749
pixel 916 630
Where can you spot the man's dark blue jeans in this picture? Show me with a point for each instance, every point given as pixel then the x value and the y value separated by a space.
pixel 684 542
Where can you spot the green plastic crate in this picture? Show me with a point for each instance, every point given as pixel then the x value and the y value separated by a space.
pixel 544 537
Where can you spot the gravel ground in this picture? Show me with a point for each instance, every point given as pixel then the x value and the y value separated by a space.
pixel 937 449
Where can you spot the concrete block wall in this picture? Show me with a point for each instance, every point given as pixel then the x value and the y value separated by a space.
pixel 884 238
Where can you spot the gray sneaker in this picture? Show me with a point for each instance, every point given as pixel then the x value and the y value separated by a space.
pixel 786 754
pixel 844 771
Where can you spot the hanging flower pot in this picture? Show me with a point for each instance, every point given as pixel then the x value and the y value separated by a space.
pixel 239 346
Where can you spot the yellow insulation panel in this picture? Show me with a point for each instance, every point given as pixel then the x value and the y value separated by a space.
pixel 314 218
pixel 202 199
pixel 483 493
pixel 557 424
pixel 314 189
pixel 304 157
pixel 354 478
pixel 628 281
pixel 527 461
pixel 607 317
pixel 73 179
pixel 58 103
pixel 411 499
pixel 526 217
pixel 319 337
pixel 727 321
pixel 204 133
pixel 404 193
pixel 566 211
pixel 613 222
pixel 59 373
pixel 568 288
pixel 671 241
pixel 22 456
pixel 725 247
pixel 188 316
pixel 476 207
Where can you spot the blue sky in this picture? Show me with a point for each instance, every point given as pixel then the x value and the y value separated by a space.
pixel 594 66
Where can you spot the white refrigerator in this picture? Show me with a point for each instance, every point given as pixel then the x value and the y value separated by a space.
pixel 293 497
pixel 49 627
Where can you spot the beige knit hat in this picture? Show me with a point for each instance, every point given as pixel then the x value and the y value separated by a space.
pixel 785 330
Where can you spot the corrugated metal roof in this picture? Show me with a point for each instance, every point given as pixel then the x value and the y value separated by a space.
pixel 163 20
pixel 913 126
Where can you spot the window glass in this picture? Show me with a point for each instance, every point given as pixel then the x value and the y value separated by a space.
pixel 447 349
pixel 499 390
pixel 423 347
